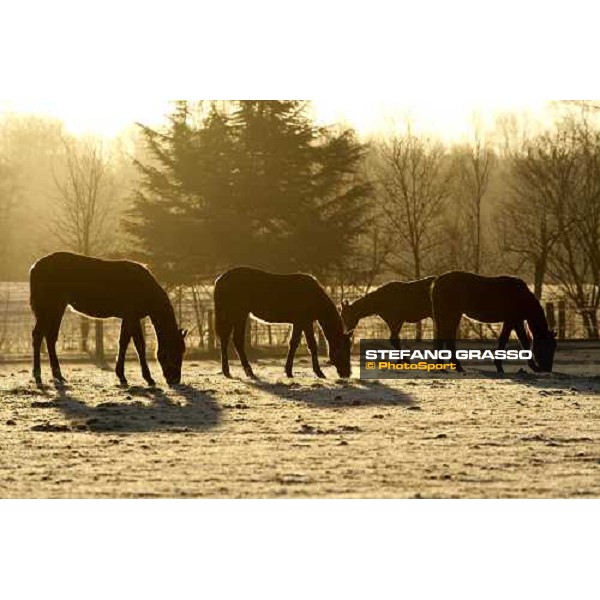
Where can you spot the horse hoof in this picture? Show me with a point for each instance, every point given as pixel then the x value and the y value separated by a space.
pixel 151 382
pixel 289 374
pixel 321 375
pixel 227 374
pixel 123 383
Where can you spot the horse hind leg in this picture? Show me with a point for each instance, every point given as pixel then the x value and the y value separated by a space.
pixel 447 331
pixel 51 338
pixel 224 329
pixel 239 333
pixel 124 337
pixel 37 338
pixel 395 327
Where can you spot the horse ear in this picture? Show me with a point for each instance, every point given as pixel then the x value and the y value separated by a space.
pixel 553 333
pixel 183 333
pixel 345 304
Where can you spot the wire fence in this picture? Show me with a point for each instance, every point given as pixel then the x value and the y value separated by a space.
pixel 195 311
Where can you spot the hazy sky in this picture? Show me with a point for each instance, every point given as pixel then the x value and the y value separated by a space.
pixel 450 118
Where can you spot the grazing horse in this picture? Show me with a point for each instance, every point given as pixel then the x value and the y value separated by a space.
pixel 294 298
pixel 102 289
pixel 492 300
pixel 396 303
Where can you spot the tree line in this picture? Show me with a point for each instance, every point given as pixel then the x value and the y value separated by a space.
pixel 259 182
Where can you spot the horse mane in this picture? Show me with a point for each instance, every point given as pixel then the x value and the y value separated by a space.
pixel 330 320
pixel 536 318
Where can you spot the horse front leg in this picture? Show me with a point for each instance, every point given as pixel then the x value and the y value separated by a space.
pixel 502 341
pixel 239 333
pixel 124 338
pixel 294 342
pixel 311 342
pixel 452 348
pixel 140 348
pixel 526 344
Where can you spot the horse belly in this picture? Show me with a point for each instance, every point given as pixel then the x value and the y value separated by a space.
pixel 100 307
pixel 273 315
pixel 486 315
pixel 416 315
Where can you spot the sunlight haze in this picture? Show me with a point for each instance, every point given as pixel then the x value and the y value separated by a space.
pixel 449 118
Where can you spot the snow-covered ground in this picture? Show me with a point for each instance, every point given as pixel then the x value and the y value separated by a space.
pixel 528 436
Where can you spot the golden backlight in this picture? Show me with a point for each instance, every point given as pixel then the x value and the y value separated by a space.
pixel 448 118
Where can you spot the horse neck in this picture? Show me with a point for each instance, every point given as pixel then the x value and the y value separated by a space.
pixel 365 306
pixel 163 318
pixel 330 321
pixel 536 318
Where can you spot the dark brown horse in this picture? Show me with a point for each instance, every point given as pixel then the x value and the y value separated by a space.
pixel 396 303
pixel 102 289
pixel 294 298
pixel 492 300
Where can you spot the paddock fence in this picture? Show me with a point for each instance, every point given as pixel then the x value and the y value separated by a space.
pixel 81 337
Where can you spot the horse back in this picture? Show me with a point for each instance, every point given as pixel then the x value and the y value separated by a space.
pixel 273 297
pixel 487 299
pixel 409 300
pixel 96 287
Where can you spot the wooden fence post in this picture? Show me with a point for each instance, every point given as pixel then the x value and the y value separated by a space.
pixel 321 343
pixel 84 329
pixel 248 334
pixel 550 316
pixel 211 330
pixel 99 326
pixel 561 320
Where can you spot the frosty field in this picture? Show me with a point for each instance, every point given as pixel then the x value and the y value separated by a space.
pixel 516 436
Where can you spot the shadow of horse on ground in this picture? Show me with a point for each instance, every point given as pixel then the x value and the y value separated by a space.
pixel 560 382
pixel 188 410
pixel 346 394
pixel 556 382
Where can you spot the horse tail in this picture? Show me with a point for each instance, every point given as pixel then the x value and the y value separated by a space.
pixel 34 289
pixel 434 298
pixel 222 323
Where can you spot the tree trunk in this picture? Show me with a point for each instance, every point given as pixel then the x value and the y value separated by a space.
pixel 84 329
pixel 538 278
pixel 590 320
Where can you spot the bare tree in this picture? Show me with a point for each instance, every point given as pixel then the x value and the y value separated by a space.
pixel 85 219
pixel 576 262
pixel 543 179
pixel 552 220
pixel 84 196
pixel 474 163
pixel 414 183
pixel 8 198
